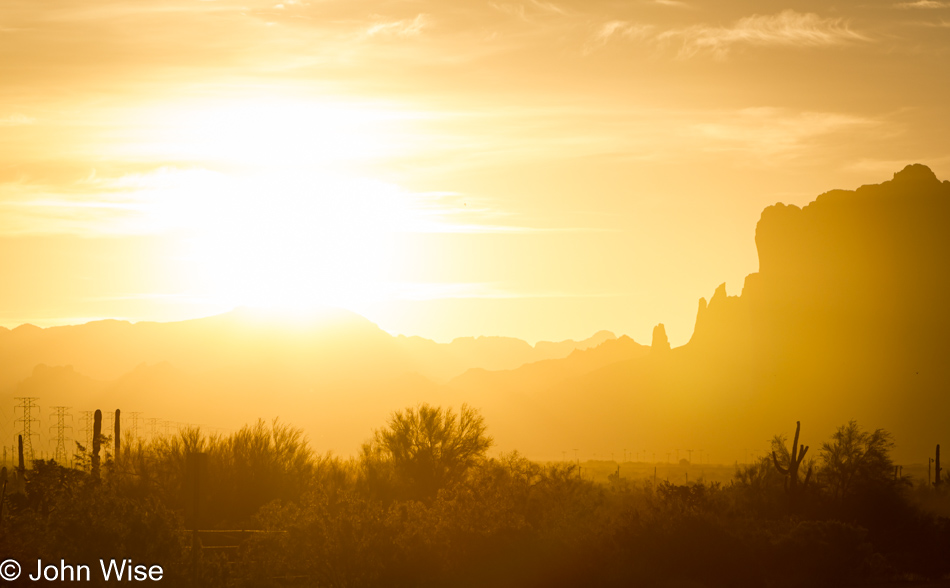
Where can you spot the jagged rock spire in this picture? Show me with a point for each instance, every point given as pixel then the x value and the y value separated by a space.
pixel 660 340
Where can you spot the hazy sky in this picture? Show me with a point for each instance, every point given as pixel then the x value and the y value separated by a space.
pixel 536 169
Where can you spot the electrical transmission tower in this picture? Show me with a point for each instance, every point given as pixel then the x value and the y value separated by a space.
pixel 153 425
pixel 134 429
pixel 26 404
pixel 87 420
pixel 111 426
pixel 60 413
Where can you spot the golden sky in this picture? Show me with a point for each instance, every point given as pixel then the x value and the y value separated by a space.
pixel 535 169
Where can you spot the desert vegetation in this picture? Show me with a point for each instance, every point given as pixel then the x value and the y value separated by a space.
pixel 424 505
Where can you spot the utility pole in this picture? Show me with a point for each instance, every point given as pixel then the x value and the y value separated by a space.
pixel 26 404
pixel 60 413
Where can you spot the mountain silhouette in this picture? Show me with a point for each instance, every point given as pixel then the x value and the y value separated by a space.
pixel 846 318
pixel 109 348
pixel 847 314
pixel 543 374
pixel 332 372
pixel 441 362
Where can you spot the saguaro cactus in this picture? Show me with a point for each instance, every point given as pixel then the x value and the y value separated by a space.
pixel 96 442
pixel 118 445
pixel 19 450
pixel 937 470
pixel 790 471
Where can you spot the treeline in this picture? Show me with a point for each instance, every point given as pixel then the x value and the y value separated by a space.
pixel 423 505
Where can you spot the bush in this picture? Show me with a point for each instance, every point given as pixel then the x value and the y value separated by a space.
pixel 822 553
pixel 425 449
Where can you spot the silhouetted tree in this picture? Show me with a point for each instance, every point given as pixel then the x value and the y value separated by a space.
pixel 428 447
pixel 855 460
pixel 759 487
pixel 246 469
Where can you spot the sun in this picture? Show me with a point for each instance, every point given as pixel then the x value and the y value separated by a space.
pixel 277 205
pixel 294 243
pixel 284 133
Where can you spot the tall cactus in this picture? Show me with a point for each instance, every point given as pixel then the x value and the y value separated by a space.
pixel 790 471
pixel 118 445
pixel 19 451
pixel 96 442
pixel 937 470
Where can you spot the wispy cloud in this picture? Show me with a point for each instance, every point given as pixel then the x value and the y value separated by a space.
pixel 774 134
pixel 941 24
pixel 922 4
pixel 399 28
pixel 672 3
pixel 15 120
pixel 548 6
pixel 616 29
pixel 532 8
pixel 169 200
pixel 516 10
pixel 787 28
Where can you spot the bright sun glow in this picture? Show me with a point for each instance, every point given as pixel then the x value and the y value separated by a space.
pixel 284 241
pixel 269 132
pixel 286 221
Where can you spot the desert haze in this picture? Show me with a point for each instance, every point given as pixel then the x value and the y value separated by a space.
pixel 353 452
pixel 845 319
pixel 508 293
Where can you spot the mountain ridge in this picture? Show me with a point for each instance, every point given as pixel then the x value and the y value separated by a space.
pixel 844 319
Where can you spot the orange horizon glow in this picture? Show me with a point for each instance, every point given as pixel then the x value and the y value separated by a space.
pixel 539 170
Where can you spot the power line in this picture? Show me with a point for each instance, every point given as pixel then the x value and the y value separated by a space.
pixel 153 425
pixel 134 429
pixel 86 431
pixel 26 404
pixel 60 413
pixel 111 426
